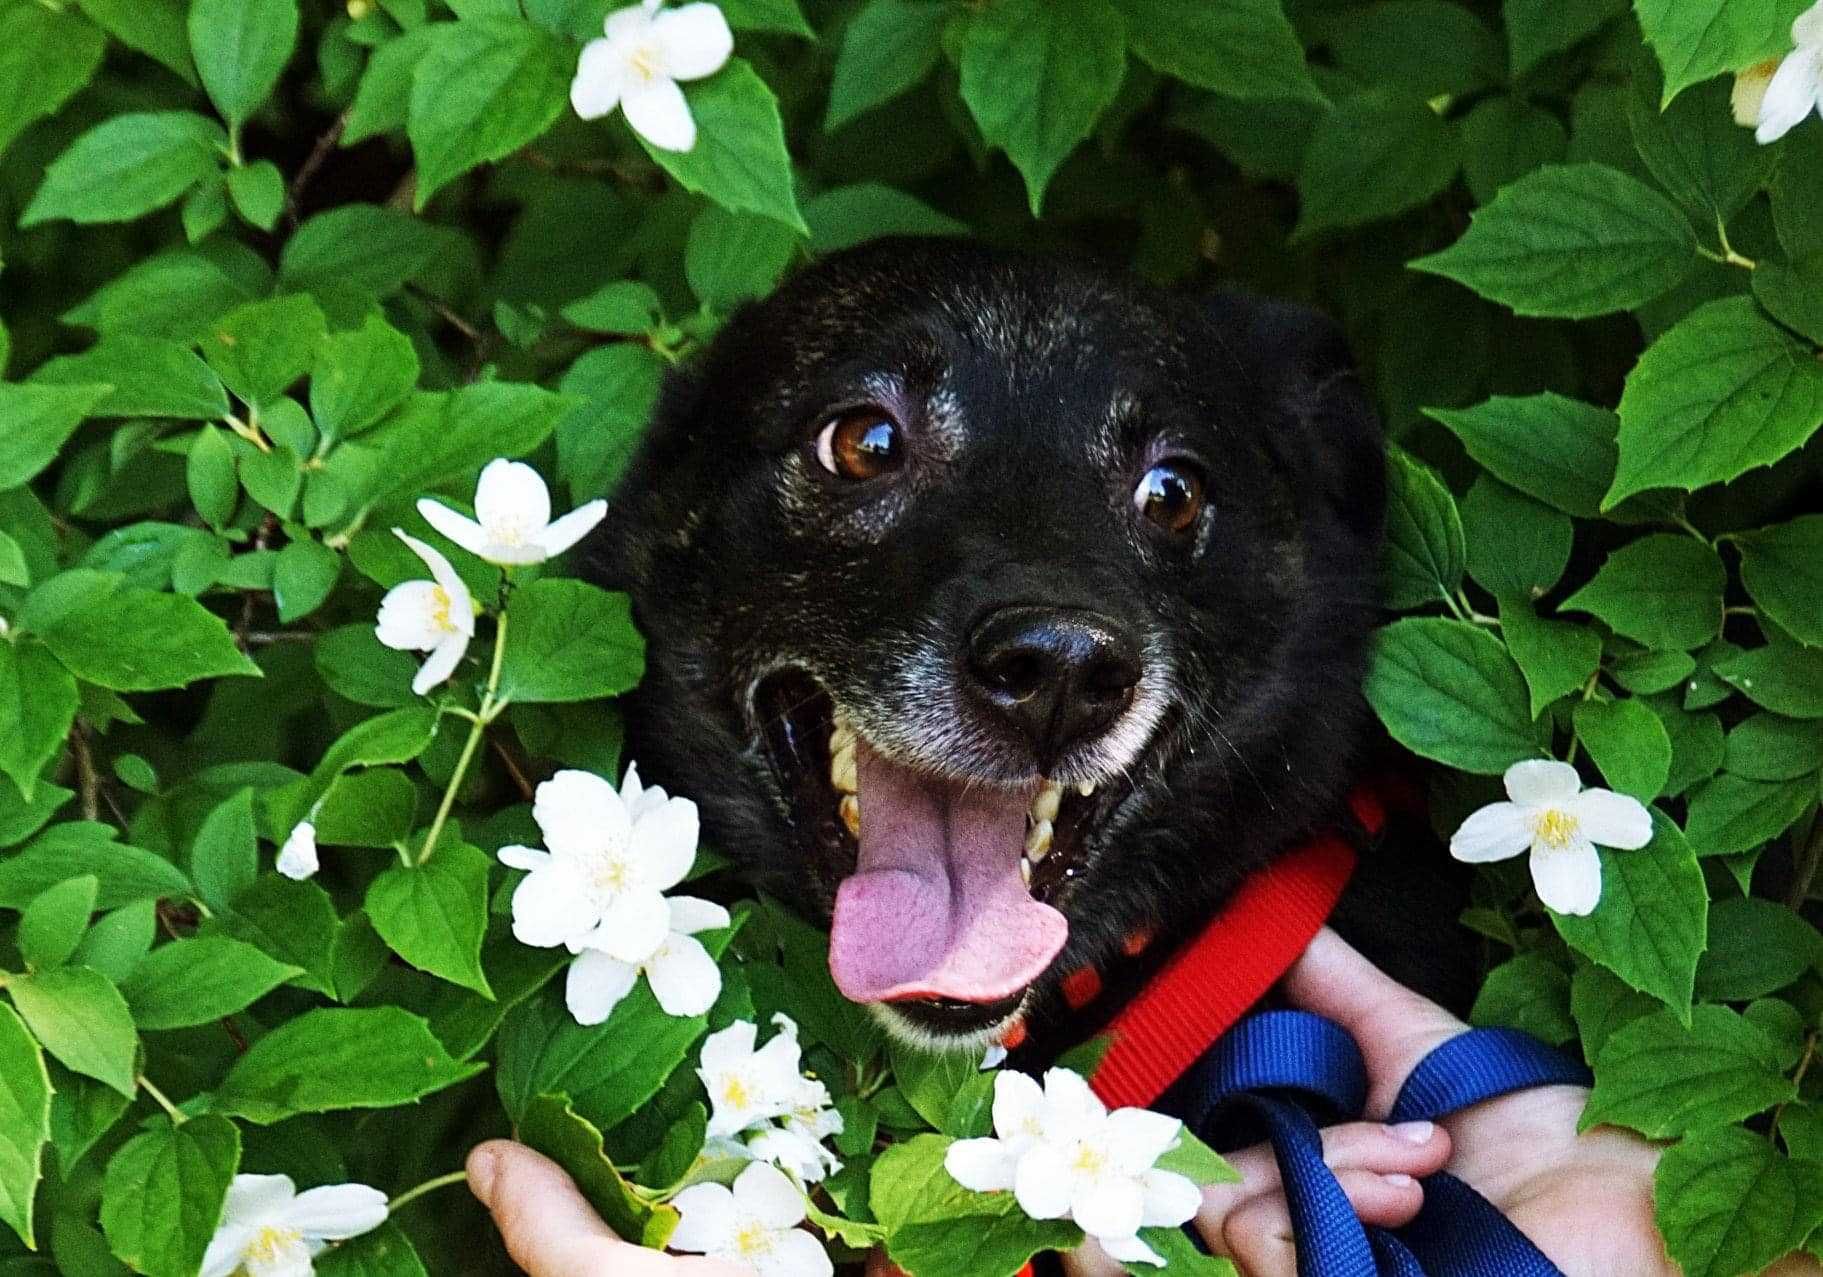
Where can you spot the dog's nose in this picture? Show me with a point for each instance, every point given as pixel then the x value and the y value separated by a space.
pixel 1056 676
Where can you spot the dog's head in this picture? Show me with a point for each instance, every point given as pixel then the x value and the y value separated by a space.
pixel 998 608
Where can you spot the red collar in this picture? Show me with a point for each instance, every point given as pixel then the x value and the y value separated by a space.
pixel 1218 976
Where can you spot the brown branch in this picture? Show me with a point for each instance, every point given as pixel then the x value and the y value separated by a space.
pixel 512 768
pixel 88 779
pixel 318 154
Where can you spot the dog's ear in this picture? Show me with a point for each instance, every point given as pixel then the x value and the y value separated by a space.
pixel 1323 429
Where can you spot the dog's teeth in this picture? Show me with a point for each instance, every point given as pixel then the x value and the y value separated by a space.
pixel 1085 787
pixel 850 811
pixel 842 772
pixel 841 737
pixel 1038 841
pixel 1025 870
pixel 1044 807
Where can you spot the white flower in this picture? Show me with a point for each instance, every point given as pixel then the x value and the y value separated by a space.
pixel 1065 1156
pixel 612 856
pixel 754 1223
pixel 1561 823
pixel 1796 88
pixel 435 616
pixel 297 858
pixel 269 1229
pixel 747 1086
pixel 637 66
pixel 684 978
pixel 512 523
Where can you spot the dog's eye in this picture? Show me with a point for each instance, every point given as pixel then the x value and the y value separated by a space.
pixel 1170 495
pixel 858 445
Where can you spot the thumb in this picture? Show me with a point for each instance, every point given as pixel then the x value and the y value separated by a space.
pixel 1394 1026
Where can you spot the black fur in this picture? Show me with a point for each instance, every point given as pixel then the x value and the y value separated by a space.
pixel 738 555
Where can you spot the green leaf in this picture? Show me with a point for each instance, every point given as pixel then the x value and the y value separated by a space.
pixel 1728 1202
pixel 936 1227
pixel 240 46
pixel 360 376
pixel 931 1080
pixel 46 57
pixel 482 90
pixel 730 258
pixel 196 981
pixel 52 925
pixel 1652 921
pixel 260 349
pixel 1662 590
pixel 37 705
pixel 292 922
pixel 1771 747
pixel 550 1126
pixel 1694 148
pixel 1448 691
pixel 303 577
pixel 1729 813
pixel 1698 39
pixel 1558 450
pixel 359 249
pixel 1792 293
pixel 569 641
pixel 149 377
pixel 479 422
pixel 118 940
pixel 1536 29
pixel 210 475
pixel 1664 1080
pixel 25 1122
pixel 1421 559
pixel 889 48
pixel 625 307
pixel 1723 392
pixel 174 294
pixel 258 192
pixel 163 1193
pixel 335 1058
pixel 1516 546
pixel 80 1018
pixel 1651 671
pixel 1241 48
pixel 1556 657
pixel 1780 677
pixel 1431 47
pixel 153 27
pixel 615 387
pixel 135 640
pixel 383 101
pixel 224 859
pixel 434 915
pixel 1628 743
pixel 1756 947
pixel 1601 1003
pixel 385 1252
pixel 125 167
pixel 1375 155
pixel 126 874
pixel 1571 241
pixel 1503 139
pixel 1527 992
pixel 1782 569
pixel 848 215
pixel 739 160
pixel 355 664
pixel 1037 74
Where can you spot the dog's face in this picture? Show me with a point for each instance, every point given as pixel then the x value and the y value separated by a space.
pixel 997 608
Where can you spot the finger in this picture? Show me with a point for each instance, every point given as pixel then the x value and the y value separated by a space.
pixel 1394 1026
pixel 1411 1148
pixel 551 1231
pixel 1090 1260
pixel 1258 1236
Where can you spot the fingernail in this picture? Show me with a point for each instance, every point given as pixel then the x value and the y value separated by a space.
pixel 1414 1132
pixel 1397 1180
pixel 483 1165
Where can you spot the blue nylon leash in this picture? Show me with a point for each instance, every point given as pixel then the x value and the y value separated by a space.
pixel 1290 1071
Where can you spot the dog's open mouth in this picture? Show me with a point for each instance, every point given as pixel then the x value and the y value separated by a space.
pixel 940 886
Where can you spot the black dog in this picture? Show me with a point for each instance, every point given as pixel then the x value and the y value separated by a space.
pixel 998 607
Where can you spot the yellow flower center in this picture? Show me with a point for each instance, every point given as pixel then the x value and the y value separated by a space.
pixel 1555 828
pixel 735 1093
pixel 270 1243
pixel 646 63
pixel 753 1241
pixel 612 873
pixel 1089 1160
pixel 440 605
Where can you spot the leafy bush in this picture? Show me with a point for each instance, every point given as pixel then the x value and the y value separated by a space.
pixel 274 271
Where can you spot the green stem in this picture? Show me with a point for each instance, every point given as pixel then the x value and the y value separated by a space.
pixel 489 711
pixel 411 1195
pixel 162 1100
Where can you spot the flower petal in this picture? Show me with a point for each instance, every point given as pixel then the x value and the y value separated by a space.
pixel 297 859
pixel 1139 1138
pixel 1496 832
pixel 727 1047
pixel 1070 1107
pixel 684 978
pixel 1538 781
pixel 1790 95
pixel 1568 881
pixel 634 925
pixel 407 620
pixel 440 664
pixel 523 857
pixel 690 915
pixel 459 528
pixel 230 1242
pixel 981 1166
pixel 624 26
pixel 550 906
pixel 1611 820
pixel 580 814
pixel 336 1212
pixel 595 985
pixel 257 1199
pixel 1018 1106
pixel 595 90
pixel 797 1254
pixel 1170 1199
pixel 657 111
pixel 709 1219
pixel 693 40
pixel 1130 1250
pixel 764 1192
pixel 570 529
pixel 1807 27
pixel 664 840
pixel 1042 1184
pixel 1107 1206
pixel 511 494
pixel 461 602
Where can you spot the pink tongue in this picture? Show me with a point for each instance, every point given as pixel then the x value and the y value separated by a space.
pixel 936 906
